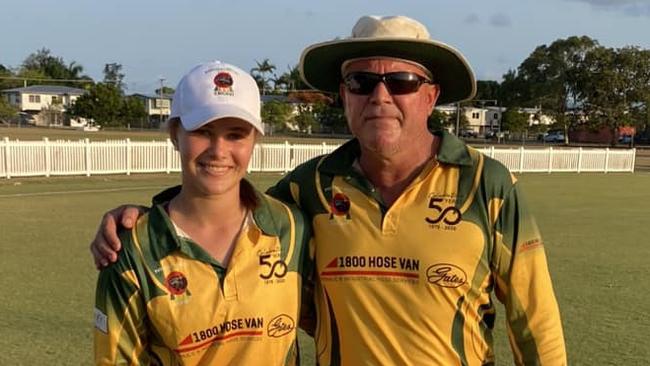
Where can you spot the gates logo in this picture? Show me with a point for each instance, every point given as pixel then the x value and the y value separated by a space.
pixel 280 325
pixel 446 275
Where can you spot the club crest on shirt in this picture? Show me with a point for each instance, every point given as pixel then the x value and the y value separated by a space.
pixel 176 284
pixel 223 83
pixel 340 206
pixel 272 267
pixel 442 213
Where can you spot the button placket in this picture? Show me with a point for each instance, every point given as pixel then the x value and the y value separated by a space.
pixel 390 221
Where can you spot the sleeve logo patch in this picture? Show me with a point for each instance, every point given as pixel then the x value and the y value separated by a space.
pixel 530 244
pixel 101 321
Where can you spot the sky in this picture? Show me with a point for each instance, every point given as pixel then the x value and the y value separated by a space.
pixel 164 39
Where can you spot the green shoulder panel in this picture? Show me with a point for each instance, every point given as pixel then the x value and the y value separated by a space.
pixel 140 256
pixel 300 187
pixel 289 224
pixel 116 280
pixel 498 180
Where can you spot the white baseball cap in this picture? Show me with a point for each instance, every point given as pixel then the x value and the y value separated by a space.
pixel 215 90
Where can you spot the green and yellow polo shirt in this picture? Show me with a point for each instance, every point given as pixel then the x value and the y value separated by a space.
pixel 167 302
pixel 412 284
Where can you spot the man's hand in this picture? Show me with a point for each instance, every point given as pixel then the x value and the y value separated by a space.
pixel 106 243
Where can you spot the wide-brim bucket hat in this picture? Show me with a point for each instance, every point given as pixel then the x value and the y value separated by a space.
pixel 395 37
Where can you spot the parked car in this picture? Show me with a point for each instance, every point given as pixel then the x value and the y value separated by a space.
pixel 468 133
pixel 554 136
pixel 642 139
pixel 26 118
pixel 625 139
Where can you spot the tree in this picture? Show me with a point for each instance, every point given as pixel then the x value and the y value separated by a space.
pixel 52 115
pixel 314 109
pixel 331 117
pixel 113 75
pixel 438 121
pixel 281 83
pixel 103 104
pixel 293 80
pixel 260 73
pixel 133 111
pixel 545 78
pixel 488 90
pixel 463 123
pixel 513 91
pixel 7 111
pixel 5 72
pixel 613 86
pixel 49 66
pixel 514 121
pixel 277 114
pixel 167 91
pixel 306 120
pixel 639 108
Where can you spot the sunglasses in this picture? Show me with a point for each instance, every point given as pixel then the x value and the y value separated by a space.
pixel 397 83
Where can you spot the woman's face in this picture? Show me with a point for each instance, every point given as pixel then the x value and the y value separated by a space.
pixel 214 158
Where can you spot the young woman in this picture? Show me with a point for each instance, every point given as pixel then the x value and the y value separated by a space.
pixel 213 272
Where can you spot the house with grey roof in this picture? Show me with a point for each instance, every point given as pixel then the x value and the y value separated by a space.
pixel 158 107
pixel 44 104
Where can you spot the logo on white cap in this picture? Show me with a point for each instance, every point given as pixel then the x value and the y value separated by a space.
pixel 216 90
pixel 223 84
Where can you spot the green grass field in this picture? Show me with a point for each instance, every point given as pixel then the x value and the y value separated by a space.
pixel 37 133
pixel 595 227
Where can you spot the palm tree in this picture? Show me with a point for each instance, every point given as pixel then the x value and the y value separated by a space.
pixel 113 75
pixel 261 70
pixel 261 83
pixel 75 70
pixel 296 82
pixel 282 82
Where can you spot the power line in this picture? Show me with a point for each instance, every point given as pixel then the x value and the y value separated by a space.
pixel 44 79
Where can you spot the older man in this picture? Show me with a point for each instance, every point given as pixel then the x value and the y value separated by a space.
pixel 414 231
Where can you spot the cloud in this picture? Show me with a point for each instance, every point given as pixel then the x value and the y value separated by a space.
pixel 637 10
pixel 500 20
pixel 627 7
pixel 472 19
pixel 612 3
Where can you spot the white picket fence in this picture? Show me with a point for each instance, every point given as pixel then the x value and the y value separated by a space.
pixel 551 160
pixel 84 157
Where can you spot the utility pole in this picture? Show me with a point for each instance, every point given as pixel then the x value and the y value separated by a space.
pixel 458 119
pixel 160 105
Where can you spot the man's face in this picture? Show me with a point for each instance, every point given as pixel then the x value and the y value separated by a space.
pixel 386 123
